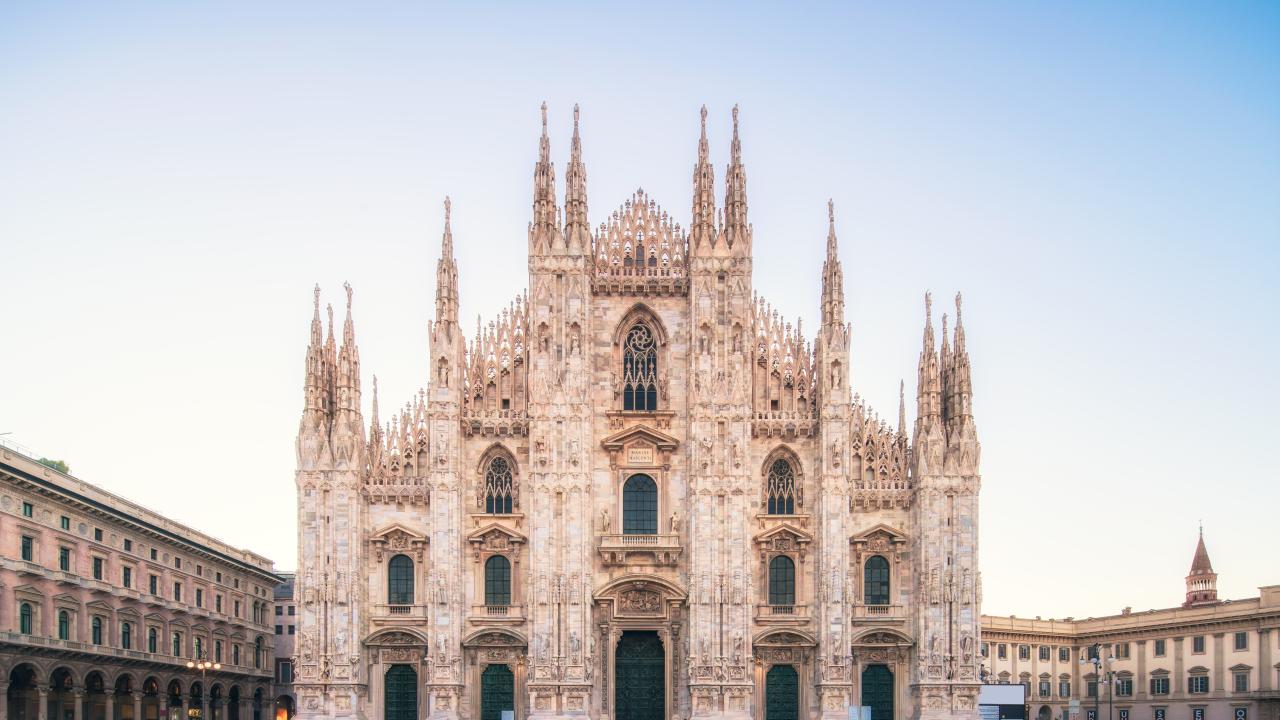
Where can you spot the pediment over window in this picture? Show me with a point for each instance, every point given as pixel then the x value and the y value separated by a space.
pixel 640 446
pixel 396 538
pixel 392 638
pixel 783 537
pixel 785 638
pixel 883 636
pixel 66 599
pixel 494 537
pixel 1198 670
pixel 98 606
pixel 879 538
pixel 490 637
pixel 1241 667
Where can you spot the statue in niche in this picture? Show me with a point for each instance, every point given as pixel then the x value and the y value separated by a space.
pixel 735 453
pixel 707 444
pixel 675 522
pixel 949 593
pixel 606 522
pixel 966 589
pixel 935 588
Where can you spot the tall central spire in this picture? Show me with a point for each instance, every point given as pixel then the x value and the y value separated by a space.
pixel 447 275
pixel 577 229
pixel 703 230
pixel 832 276
pixel 736 228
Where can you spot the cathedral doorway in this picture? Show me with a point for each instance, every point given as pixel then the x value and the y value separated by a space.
pixel 641 677
pixel 782 693
pixel 877 691
pixel 400 696
pixel 497 692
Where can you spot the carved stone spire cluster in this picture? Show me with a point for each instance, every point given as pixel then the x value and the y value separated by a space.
pixel 702 235
pixel 737 230
pixel 577 230
pixel 447 276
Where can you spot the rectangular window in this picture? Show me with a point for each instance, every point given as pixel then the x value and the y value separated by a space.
pixel 199 647
pixel 1242 641
pixel 293 629
pixel 1197 644
pixel 1122 651
pixel 217 603
pixel 177 644
pixel 1159 648
pixel 237 612
pixel 1044 688
pixel 1024 652
pixel 1124 687
pixel 1064 688
pixel 279 629
pixel 64 522
pixel 1064 654
pixel 1002 651
pixel 291 610
pixel 1240 681
pixel 217 651
pixel 64 559
pixel 153 585
pixel 199 598
pixel 235 654
pixel 1159 686
pixel 177 591
pixel 217 577
pixel 986 648
pixel 97 568
pixel 279 610
pixel 126 577
pixel 153 553
pixel 128 545
pixel 28 510
pixel 97 534
pixel 177 563
pixel 1198 684
pixel 1091 689
pixel 200 570
pixel 28 548
pixel 1044 654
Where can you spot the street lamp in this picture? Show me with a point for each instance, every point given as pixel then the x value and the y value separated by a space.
pixel 204 666
pixel 1097 663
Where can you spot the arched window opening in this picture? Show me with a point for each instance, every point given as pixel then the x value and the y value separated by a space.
pixel 640 506
pixel 782 581
pixel 177 644
pixel 126 636
pixel 257 654
pixel 639 370
pixel 64 625
pixel 499 488
pixel 152 640
pixel 400 580
pixel 24 618
pixel 96 630
pixel 497 581
pixel 875 585
pixel 781 488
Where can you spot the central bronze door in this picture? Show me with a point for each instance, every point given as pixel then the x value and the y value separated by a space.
pixel 781 693
pixel 640 669
pixel 877 691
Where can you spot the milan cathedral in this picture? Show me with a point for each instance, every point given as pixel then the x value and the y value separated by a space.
pixel 637 494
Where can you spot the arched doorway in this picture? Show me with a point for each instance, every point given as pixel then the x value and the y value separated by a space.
pixel 122 699
pixel 61 699
pixel 782 693
pixel 175 699
pixel 640 670
pixel 400 701
pixel 151 699
pixel 497 692
pixel 95 696
pixel 284 708
pixel 22 697
pixel 877 691
pixel 1045 713
pixel 195 702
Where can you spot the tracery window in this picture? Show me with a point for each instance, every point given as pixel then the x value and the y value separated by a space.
pixel 497 581
pixel 639 370
pixel 640 506
pixel 400 580
pixel 875 585
pixel 498 487
pixel 782 581
pixel 781 488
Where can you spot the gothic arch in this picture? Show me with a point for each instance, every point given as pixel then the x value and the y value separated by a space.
pixel 782 452
pixel 497 451
pixel 641 313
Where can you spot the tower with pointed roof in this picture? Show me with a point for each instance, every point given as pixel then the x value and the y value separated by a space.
pixel 1202 581
pixel 638 491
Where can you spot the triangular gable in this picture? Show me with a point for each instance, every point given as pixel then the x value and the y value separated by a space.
pixel 396 538
pixel 479 534
pixel 784 530
pixel 896 535
pixel 660 439
pixel 391 530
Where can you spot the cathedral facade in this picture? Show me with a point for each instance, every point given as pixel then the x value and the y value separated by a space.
pixel 637 494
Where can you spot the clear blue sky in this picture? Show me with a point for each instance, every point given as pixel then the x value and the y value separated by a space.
pixel 1102 182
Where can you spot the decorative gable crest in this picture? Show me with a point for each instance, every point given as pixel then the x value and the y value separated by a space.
pixel 396 538
pixel 784 537
pixel 494 537
pixel 880 539
pixel 640 446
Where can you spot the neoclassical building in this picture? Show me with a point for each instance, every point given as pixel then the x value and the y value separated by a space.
pixel 103 603
pixel 1207 659
pixel 638 493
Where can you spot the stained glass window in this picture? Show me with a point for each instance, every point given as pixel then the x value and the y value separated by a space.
pixel 782 488
pixel 639 370
pixel 498 487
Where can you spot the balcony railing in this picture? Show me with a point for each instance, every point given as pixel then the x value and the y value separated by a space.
pixel 664 549
pixel 500 614
pixel 872 613
pixel 399 612
pixel 784 614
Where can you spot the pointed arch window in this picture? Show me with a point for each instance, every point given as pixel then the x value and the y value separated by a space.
pixel 639 370
pixel 782 581
pixel 497 581
pixel 875 581
pixel 781 488
pixel 499 487
pixel 640 506
pixel 400 580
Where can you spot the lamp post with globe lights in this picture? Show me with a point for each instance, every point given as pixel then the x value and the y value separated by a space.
pixel 204 666
pixel 1097 662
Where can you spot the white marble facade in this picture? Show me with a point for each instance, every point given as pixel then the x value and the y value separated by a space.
pixel 640 349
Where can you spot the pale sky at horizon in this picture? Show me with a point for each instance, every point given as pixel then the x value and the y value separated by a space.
pixel 1100 182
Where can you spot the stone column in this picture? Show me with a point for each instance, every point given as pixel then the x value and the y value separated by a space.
pixel 4 706
pixel 1219 688
pixel 137 706
pixel 1178 676
pixel 42 697
pixel 109 702
pixel 164 705
pixel 1264 658
pixel 78 707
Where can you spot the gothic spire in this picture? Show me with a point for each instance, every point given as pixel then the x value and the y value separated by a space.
pixel 447 274
pixel 703 229
pixel 960 385
pixel 832 276
pixel 347 379
pixel 314 387
pixel 544 191
pixel 928 388
pixel 902 405
pixel 577 229
pixel 736 228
